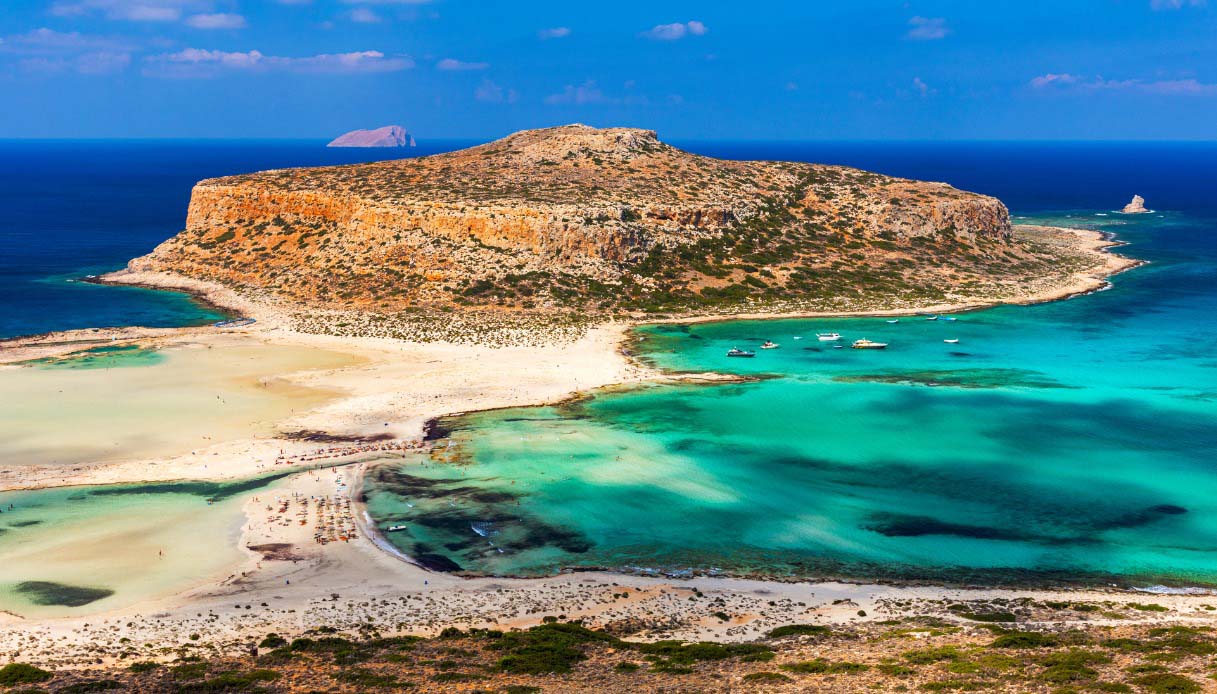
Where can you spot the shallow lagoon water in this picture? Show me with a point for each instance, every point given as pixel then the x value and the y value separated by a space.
pixel 1071 442
pixel 84 550
pixel 135 403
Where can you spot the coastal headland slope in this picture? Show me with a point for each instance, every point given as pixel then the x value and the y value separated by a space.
pixel 584 220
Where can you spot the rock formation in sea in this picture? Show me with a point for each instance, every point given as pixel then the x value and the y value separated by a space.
pixel 1137 206
pixel 388 136
pixel 589 219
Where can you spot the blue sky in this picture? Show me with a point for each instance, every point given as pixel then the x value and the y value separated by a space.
pixel 769 69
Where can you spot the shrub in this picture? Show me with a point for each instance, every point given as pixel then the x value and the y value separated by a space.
pixel 1024 639
pixel 22 673
pixel 799 630
pixel 766 677
pixel 1167 683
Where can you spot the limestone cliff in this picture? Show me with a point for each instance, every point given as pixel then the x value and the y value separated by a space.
pixel 586 218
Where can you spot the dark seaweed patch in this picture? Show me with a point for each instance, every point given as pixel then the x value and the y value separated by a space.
pixel 958 378
pixel 209 490
pixel 896 525
pixel 435 430
pixel 24 523
pixel 51 593
pixel 436 562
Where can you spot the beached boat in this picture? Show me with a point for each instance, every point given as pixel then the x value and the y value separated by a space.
pixel 868 344
pixel 770 345
pixel 828 337
pixel 736 352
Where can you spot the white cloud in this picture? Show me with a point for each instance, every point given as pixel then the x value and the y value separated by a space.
pixel 673 32
pixel 363 15
pixel 220 20
pixel 1176 87
pixel 927 28
pixel 554 33
pixel 131 10
pixel 586 93
pixel 1175 4
pixel 49 41
pixel 922 88
pixel 1052 78
pixel 454 65
pixel 48 51
pixel 494 94
pixel 196 62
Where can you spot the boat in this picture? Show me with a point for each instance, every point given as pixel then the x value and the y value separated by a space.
pixel 394 528
pixel 952 342
pixel 736 352
pixel 797 337
pixel 897 320
pixel 931 318
pixel 868 344
pixel 770 345
pixel 828 337
pixel 949 318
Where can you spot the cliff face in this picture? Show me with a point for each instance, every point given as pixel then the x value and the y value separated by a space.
pixel 570 216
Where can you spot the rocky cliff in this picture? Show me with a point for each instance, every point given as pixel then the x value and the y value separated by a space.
pixel 581 217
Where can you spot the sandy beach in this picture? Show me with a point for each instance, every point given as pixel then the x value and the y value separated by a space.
pixel 312 560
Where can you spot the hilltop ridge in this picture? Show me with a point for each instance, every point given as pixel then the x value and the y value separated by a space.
pixel 576 218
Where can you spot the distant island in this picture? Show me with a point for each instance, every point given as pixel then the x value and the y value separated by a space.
pixel 388 136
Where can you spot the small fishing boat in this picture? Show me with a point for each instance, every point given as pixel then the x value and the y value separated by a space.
pixel 797 337
pixel 931 317
pixel 770 345
pixel 868 344
pixel 949 318
pixel 736 352
pixel 828 337
pixel 394 528
pixel 897 320
pixel 952 342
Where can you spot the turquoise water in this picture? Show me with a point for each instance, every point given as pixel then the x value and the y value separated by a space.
pixel 1072 442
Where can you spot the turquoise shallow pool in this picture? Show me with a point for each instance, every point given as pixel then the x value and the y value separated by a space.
pixel 1066 442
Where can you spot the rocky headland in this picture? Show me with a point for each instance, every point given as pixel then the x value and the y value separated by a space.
pixel 587 222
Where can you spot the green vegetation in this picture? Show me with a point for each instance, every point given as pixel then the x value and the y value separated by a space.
pixel 22 673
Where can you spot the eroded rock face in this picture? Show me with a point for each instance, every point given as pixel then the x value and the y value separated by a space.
pixel 537 218
pixel 1137 206
pixel 388 136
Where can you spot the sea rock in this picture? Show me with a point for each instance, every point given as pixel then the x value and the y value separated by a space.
pixel 388 136
pixel 1137 206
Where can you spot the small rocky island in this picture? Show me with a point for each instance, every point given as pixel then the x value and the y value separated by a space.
pixel 1137 206
pixel 388 136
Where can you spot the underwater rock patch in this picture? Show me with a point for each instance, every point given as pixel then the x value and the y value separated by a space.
pixel 51 593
